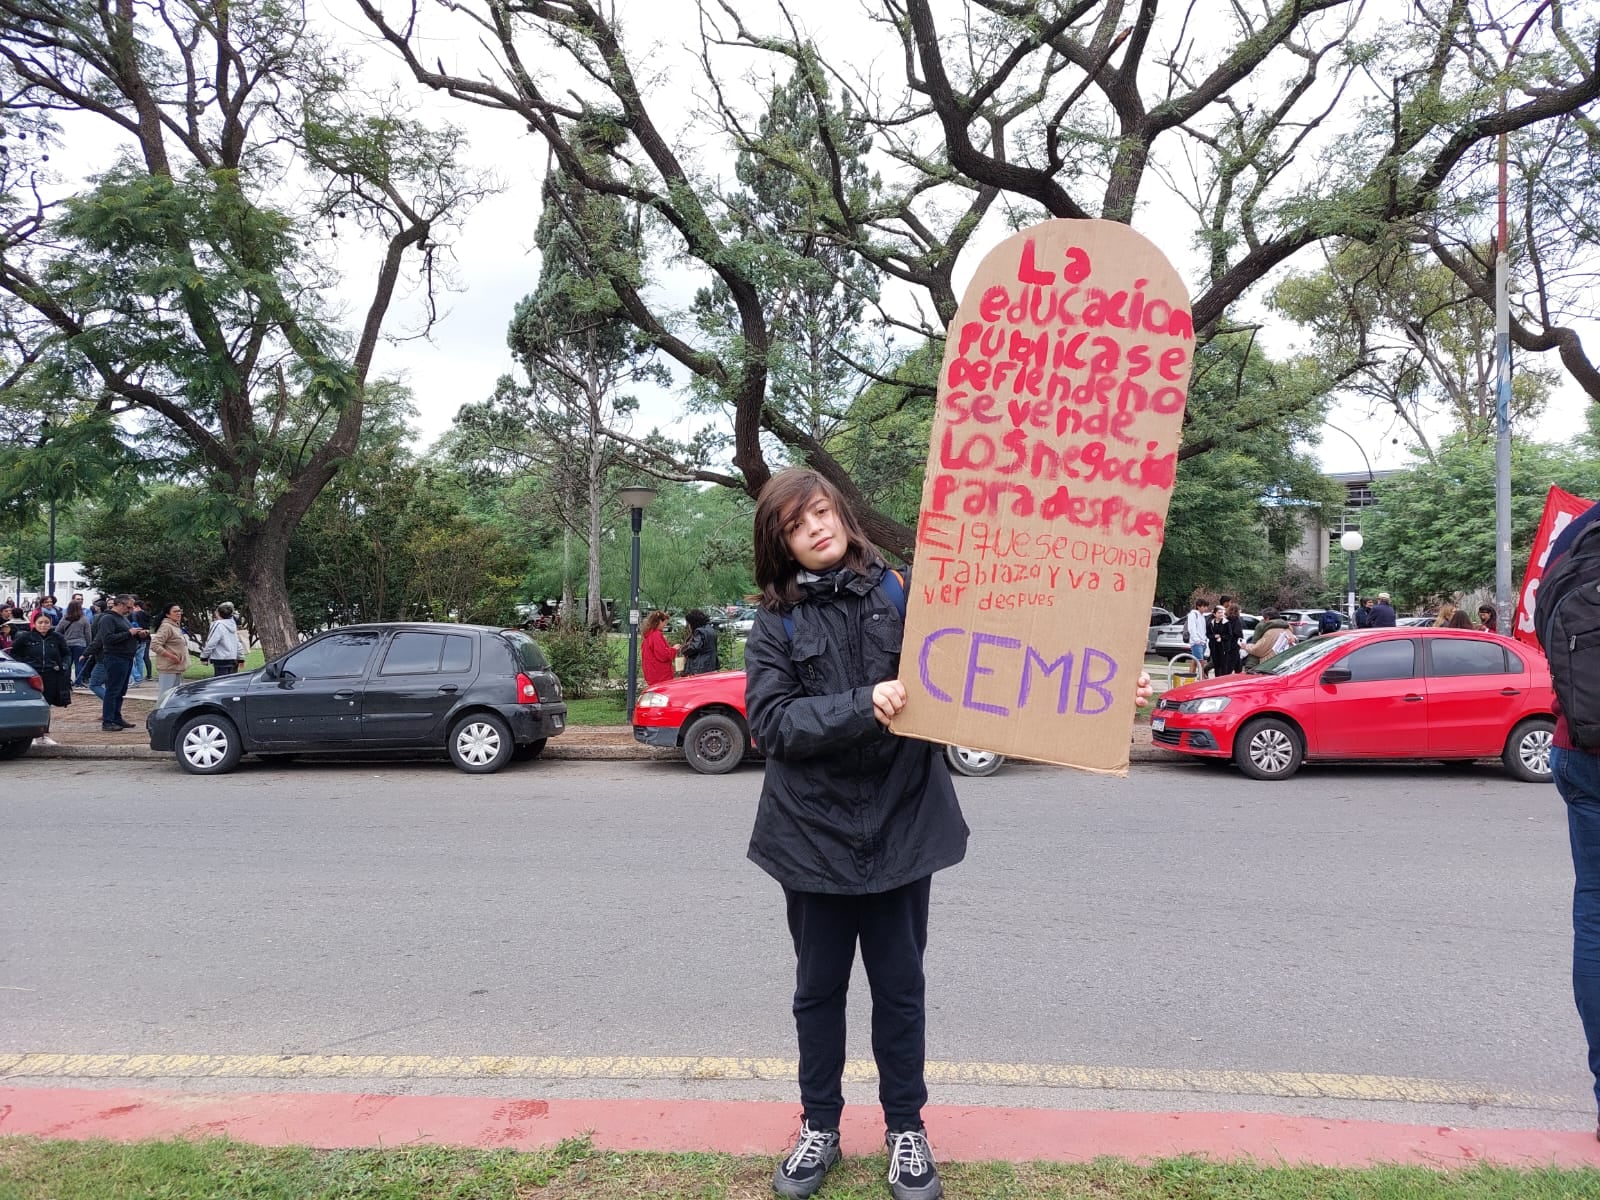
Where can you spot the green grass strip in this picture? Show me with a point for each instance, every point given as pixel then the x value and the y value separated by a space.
pixel 225 1170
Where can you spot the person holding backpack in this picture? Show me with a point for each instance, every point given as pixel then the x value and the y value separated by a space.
pixel 852 821
pixel 1568 613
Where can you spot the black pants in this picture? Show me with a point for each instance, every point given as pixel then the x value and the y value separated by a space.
pixel 893 931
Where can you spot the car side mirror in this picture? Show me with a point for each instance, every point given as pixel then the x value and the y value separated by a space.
pixel 1336 675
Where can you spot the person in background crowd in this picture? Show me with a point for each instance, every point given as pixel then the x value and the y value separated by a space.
pixel 1272 636
pixel 1383 614
pixel 1195 628
pixel 1364 613
pixel 74 631
pixel 655 652
pixel 700 647
pixel 45 650
pixel 1328 622
pixel 139 619
pixel 223 650
pixel 1488 619
pixel 116 642
pixel 169 650
pixel 48 605
pixel 1223 632
pixel 7 615
pixel 1451 617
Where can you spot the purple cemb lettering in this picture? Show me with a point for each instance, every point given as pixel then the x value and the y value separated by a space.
pixel 1087 684
pixel 922 663
pixel 1089 698
pixel 979 641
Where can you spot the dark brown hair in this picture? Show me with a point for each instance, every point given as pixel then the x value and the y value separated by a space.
pixel 784 498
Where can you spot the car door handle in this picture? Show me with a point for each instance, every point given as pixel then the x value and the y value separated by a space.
pixel 1412 699
pixel 449 689
pixel 1511 691
pixel 345 694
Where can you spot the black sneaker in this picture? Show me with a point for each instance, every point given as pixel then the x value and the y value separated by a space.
pixel 802 1173
pixel 107 728
pixel 912 1175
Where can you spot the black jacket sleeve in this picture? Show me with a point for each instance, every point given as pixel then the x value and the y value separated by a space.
pixel 785 722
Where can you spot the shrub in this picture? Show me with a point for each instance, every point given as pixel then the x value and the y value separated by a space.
pixel 580 658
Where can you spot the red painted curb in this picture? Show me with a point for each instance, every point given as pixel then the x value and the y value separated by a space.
pixel 334 1121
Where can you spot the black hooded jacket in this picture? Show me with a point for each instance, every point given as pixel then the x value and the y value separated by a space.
pixel 846 807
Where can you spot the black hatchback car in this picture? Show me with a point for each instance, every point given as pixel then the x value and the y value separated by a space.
pixel 483 695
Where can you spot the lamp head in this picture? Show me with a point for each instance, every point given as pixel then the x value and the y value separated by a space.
pixel 1350 541
pixel 637 497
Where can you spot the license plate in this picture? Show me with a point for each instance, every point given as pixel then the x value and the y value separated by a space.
pixel 559 723
pixel 1158 724
pixel 7 686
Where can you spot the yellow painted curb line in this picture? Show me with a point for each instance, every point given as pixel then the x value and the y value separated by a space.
pixel 1293 1084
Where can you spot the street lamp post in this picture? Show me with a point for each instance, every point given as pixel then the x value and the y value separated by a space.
pixel 636 499
pixel 1502 376
pixel 1350 542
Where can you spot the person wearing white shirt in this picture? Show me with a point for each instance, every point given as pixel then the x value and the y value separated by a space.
pixel 1195 625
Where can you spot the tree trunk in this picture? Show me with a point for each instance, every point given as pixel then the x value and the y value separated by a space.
pixel 569 603
pixel 259 555
pixel 597 612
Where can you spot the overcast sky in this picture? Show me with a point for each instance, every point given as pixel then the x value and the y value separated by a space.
pixel 497 265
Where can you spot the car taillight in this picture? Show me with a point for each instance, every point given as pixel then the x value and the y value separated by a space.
pixel 36 682
pixel 526 692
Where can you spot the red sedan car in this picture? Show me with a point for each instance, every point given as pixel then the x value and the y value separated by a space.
pixel 704 714
pixel 1372 694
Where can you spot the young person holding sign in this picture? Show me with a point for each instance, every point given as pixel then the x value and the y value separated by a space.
pixel 853 821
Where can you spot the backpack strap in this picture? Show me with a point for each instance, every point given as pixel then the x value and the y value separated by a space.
pixel 897 597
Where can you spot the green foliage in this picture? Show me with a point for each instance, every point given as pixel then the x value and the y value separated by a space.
pixel 883 445
pixel 159 549
pixel 580 659
pixel 1431 534
pixel 814 291
pixel 1240 507
pixel 1405 334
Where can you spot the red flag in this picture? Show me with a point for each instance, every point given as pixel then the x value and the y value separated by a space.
pixel 1559 510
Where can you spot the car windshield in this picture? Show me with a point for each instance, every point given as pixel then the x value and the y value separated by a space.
pixel 1297 658
pixel 529 656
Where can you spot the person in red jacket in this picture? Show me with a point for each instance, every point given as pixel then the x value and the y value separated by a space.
pixel 656 653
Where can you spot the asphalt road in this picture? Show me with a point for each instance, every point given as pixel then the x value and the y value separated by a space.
pixel 1184 922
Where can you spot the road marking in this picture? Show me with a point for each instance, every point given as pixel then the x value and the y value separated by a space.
pixel 1294 1084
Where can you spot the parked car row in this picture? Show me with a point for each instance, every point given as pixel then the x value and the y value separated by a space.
pixel 1378 694
pixel 483 695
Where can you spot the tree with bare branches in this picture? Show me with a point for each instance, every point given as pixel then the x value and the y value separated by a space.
pixel 1281 124
pixel 184 291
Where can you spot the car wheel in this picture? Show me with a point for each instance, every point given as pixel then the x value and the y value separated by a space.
pixel 530 751
pixel 714 744
pixel 964 760
pixel 208 745
pixel 481 744
pixel 1527 752
pixel 1268 749
pixel 15 748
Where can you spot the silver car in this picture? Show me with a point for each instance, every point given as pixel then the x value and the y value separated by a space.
pixel 24 715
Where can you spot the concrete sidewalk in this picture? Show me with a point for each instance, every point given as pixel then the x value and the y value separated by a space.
pixel 958 1134
pixel 76 733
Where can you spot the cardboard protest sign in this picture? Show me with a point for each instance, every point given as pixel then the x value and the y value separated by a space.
pixel 1060 409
